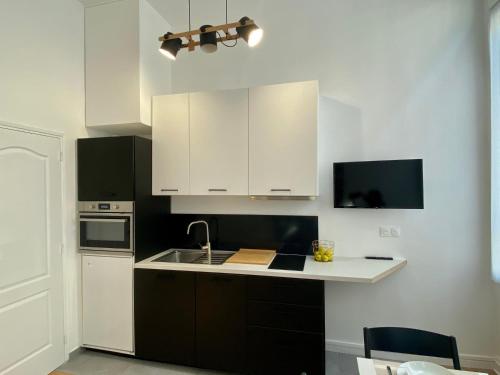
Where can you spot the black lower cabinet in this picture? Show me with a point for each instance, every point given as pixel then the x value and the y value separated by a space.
pixel 241 324
pixel 220 322
pixel 286 326
pixel 165 316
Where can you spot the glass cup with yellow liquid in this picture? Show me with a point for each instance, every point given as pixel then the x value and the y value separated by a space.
pixel 323 250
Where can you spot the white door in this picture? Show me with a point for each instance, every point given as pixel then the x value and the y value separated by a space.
pixel 171 144
pixel 218 126
pixel 31 286
pixel 107 290
pixel 283 139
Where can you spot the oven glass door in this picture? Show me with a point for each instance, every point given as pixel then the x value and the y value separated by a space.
pixel 111 232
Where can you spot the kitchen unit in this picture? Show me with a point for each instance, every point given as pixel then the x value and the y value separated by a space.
pixel 260 141
pixel 118 218
pixel 241 318
pixel 245 319
pixel 171 301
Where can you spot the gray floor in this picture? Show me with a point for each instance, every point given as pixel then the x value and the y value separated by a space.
pixel 86 362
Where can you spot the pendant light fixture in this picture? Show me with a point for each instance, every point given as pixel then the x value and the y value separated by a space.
pixel 170 47
pixel 208 40
pixel 249 31
pixel 209 36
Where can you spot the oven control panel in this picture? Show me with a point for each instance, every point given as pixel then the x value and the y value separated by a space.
pixel 105 206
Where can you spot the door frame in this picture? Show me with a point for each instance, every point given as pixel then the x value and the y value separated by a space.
pixel 60 137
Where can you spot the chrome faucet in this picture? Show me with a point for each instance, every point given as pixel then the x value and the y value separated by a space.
pixel 207 247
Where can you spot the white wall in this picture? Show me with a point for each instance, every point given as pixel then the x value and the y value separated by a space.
pixel 42 85
pixel 413 76
pixel 155 69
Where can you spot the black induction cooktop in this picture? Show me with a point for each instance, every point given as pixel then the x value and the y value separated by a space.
pixel 288 262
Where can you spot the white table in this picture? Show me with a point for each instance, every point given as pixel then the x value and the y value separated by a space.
pixel 379 367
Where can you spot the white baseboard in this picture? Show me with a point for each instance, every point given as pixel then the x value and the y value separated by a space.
pixel 497 365
pixel 466 360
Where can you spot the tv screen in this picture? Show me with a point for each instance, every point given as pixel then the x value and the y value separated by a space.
pixel 379 184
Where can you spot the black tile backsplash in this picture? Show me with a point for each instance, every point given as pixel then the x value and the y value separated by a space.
pixel 286 234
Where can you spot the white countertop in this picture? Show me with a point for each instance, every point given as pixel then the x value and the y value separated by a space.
pixel 358 270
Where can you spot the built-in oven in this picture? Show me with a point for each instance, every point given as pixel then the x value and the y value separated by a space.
pixel 106 226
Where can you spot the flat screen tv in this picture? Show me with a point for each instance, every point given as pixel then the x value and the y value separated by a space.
pixel 379 184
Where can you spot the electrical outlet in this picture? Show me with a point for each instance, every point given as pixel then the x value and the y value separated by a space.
pixel 389 231
pixel 395 231
pixel 384 231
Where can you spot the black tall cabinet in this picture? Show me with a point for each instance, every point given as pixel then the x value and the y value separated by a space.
pixel 120 169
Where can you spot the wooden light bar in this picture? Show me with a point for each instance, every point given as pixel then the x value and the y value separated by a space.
pixel 190 43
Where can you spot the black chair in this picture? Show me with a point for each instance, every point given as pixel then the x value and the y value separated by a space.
pixel 411 341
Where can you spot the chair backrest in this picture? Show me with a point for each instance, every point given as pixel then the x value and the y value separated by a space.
pixel 411 341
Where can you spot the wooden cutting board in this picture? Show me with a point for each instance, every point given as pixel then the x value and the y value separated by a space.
pixel 252 256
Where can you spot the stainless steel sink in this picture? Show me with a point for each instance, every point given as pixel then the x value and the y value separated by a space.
pixel 217 257
pixel 180 256
pixel 194 256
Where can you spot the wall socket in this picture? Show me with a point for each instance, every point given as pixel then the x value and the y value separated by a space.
pixel 389 231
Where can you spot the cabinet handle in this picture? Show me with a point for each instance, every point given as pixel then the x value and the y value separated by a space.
pixel 103 220
pixel 169 189
pixel 281 189
pixel 165 275
pixel 222 279
pixel 217 189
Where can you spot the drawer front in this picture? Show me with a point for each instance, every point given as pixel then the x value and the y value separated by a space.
pixel 283 316
pixel 271 351
pixel 285 290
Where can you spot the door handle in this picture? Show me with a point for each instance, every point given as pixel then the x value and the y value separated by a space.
pixel 212 189
pixel 169 190
pixel 288 190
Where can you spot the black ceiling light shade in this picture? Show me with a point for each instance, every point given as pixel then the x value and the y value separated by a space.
pixel 170 47
pixel 208 40
pixel 249 31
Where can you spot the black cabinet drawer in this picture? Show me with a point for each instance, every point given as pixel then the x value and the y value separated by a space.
pixel 271 351
pixel 286 290
pixel 283 316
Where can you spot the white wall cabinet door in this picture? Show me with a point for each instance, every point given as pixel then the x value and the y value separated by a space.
pixel 31 283
pixel 219 142
pixel 171 144
pixel 107 302
pixel 283 139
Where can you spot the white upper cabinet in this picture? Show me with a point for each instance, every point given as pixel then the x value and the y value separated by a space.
pixel 171 144
pixel 219 142
pixel 123 68
pixel 260 142
pixel 284 139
